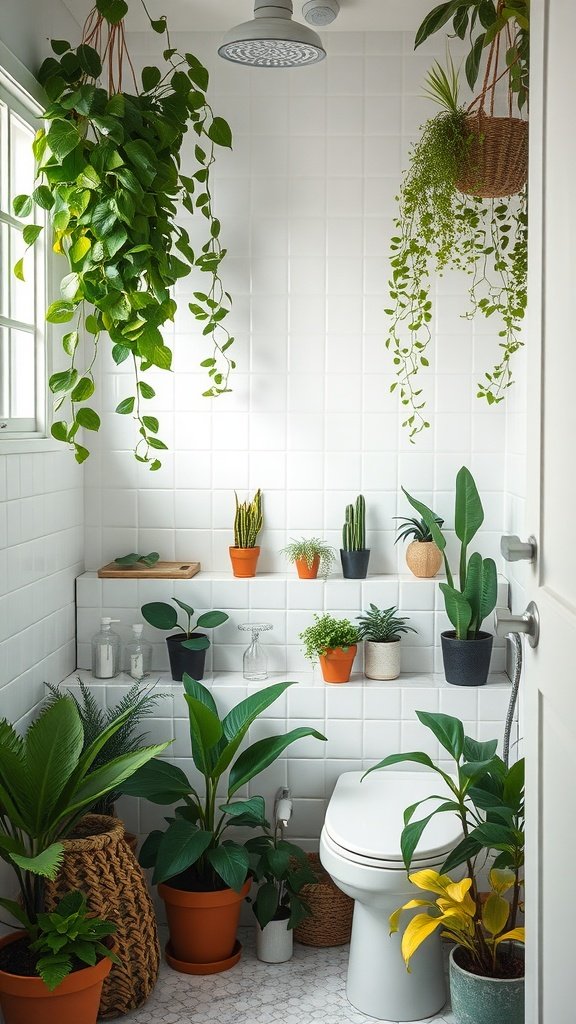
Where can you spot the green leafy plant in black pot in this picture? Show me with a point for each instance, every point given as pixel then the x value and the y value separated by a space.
pixel 281 870
pixel 202 873
pixel 354 554
pixel 186 649
pixel 111 177
pixel 467 648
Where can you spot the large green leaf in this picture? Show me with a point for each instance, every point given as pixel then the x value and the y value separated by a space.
pixel 473 589
pixel 412 833
pixel 247 812
pixel 265 905
pixel 46 863
pixel 457 609
pixel 264 752
pixel 231 862
pixel 435 20
pixel 53 747
pixel 14 792
pixel 466 850
pixel 180 847
pixel 149 849
pixel 197 643
pixel 212 619
pixel 62 137
pixel 158 781
pixel 468 513
pixel 474 750
pixel 248 710
pixel 143 159
pixel 160 615
pixel 448 730
pixel 16 911
pixel 489 590
pixel 209 725
pixel 199 692
pixel 110 777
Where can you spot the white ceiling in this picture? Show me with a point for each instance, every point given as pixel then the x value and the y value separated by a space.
pixel 219 15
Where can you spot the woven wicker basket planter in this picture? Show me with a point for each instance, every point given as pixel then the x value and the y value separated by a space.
pixel 102 866
pixel 497 159
pixel 331 921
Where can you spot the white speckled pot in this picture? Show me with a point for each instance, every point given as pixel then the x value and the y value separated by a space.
pixel 275 942
pixel 477 1000
pixel 382 660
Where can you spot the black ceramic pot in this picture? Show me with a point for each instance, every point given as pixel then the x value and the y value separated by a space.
pixel 355 564
pixel 182 660
pixel 466 662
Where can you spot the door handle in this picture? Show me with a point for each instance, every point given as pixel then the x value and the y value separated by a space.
pixel 528 623
pixel 515 550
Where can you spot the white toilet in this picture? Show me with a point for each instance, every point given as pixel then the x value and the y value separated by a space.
pixel 360 849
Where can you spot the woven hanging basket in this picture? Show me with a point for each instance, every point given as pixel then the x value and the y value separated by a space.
pixel 331 920
pixel 101 865
pixel 497 156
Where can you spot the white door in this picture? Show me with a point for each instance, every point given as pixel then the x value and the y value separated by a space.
pixel 550 684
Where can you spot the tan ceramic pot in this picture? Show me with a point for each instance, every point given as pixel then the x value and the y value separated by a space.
pixel 423 558
pixel 381 660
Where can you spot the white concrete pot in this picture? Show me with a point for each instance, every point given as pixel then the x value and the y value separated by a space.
pixel 382 660
pixel 275 942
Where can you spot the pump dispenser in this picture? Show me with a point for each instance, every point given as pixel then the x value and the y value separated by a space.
pixel 138 654
pixel 106 651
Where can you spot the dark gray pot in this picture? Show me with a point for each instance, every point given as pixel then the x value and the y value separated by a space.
pixel 466 662
pixel 355 564
pixel 477 1000
pixel 182 660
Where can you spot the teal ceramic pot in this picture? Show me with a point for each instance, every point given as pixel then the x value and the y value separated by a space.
pixel 477 1000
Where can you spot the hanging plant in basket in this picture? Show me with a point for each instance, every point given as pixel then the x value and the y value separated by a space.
pixel 463 202
pixel 111 176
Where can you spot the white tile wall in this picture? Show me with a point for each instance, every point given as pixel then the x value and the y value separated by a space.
pixel 307 200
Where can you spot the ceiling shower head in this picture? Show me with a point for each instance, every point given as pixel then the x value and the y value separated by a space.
pixel 272 39
pixel 321 12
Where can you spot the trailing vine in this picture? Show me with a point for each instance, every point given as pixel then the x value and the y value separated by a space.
pixel 110 177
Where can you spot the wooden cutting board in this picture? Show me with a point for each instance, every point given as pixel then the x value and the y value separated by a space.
pixel 160 571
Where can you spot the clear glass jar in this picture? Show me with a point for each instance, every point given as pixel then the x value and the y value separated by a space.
pixel 255 662
pixel 138 659
pixel 106 646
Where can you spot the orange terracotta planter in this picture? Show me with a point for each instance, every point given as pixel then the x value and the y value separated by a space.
pixel 244 561
pixel 203 925
pixel 75 1001
pixel 337 664
pixel 305 571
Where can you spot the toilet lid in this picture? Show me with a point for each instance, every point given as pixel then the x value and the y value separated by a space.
pixel 366 818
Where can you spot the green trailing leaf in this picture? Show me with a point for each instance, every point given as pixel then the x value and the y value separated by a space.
pixel 263 753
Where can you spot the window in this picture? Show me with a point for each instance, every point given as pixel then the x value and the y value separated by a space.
pixel 22 303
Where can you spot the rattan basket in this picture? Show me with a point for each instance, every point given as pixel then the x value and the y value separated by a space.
pixel 99 862
pixel 496 163
pixel 331 921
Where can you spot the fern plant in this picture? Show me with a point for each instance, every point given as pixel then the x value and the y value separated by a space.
pixel 309 548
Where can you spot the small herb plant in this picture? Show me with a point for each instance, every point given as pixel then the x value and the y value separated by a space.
pixel 476 599
pixel 164 616
pixel 309 548
pixel 382 626
pixel 248 521
pixel 281 870
pixel 134 559
pixel 69 937
pixel 195 842
pixel 416 529
pixel 110 176
pixel 354 529
pixel 326 633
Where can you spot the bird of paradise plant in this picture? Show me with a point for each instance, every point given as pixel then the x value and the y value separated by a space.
pixel 479 925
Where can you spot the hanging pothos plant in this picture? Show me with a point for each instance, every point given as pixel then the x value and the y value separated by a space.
pixel 440 228
pixel 111 178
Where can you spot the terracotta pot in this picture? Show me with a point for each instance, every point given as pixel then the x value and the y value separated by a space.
pixel 75 1001
pixel 203 925
pixel 244 561
pixel 423 558
pixel 337 664
pixel 305 571
pixel 381 660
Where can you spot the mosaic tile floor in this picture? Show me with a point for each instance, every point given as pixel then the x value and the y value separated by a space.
pixel 310 989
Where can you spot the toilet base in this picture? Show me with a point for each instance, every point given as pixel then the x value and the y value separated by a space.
pixel 378 983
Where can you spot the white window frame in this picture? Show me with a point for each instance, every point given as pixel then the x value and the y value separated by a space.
pixel 25 96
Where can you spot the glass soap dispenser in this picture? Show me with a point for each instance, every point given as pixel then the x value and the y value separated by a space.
pixel 138 654
pixel 106 651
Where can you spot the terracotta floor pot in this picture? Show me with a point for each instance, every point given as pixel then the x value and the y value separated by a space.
pixel 74 1001
pixel 203 925
pixel 244 561
pixel 305 571
pixel 423 558
pixel 99 862
pixel 337 663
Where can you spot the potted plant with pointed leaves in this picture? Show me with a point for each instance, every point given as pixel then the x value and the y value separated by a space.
pixel 354 554
pixel 248 522
pixel 487 796
pixel 335 643
pixel 186 649
pixel 466 649
pixel 311 556
pixel 48 781
pixel 381 630
pixel 203 875
pixel 281 870
pixel 423 557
